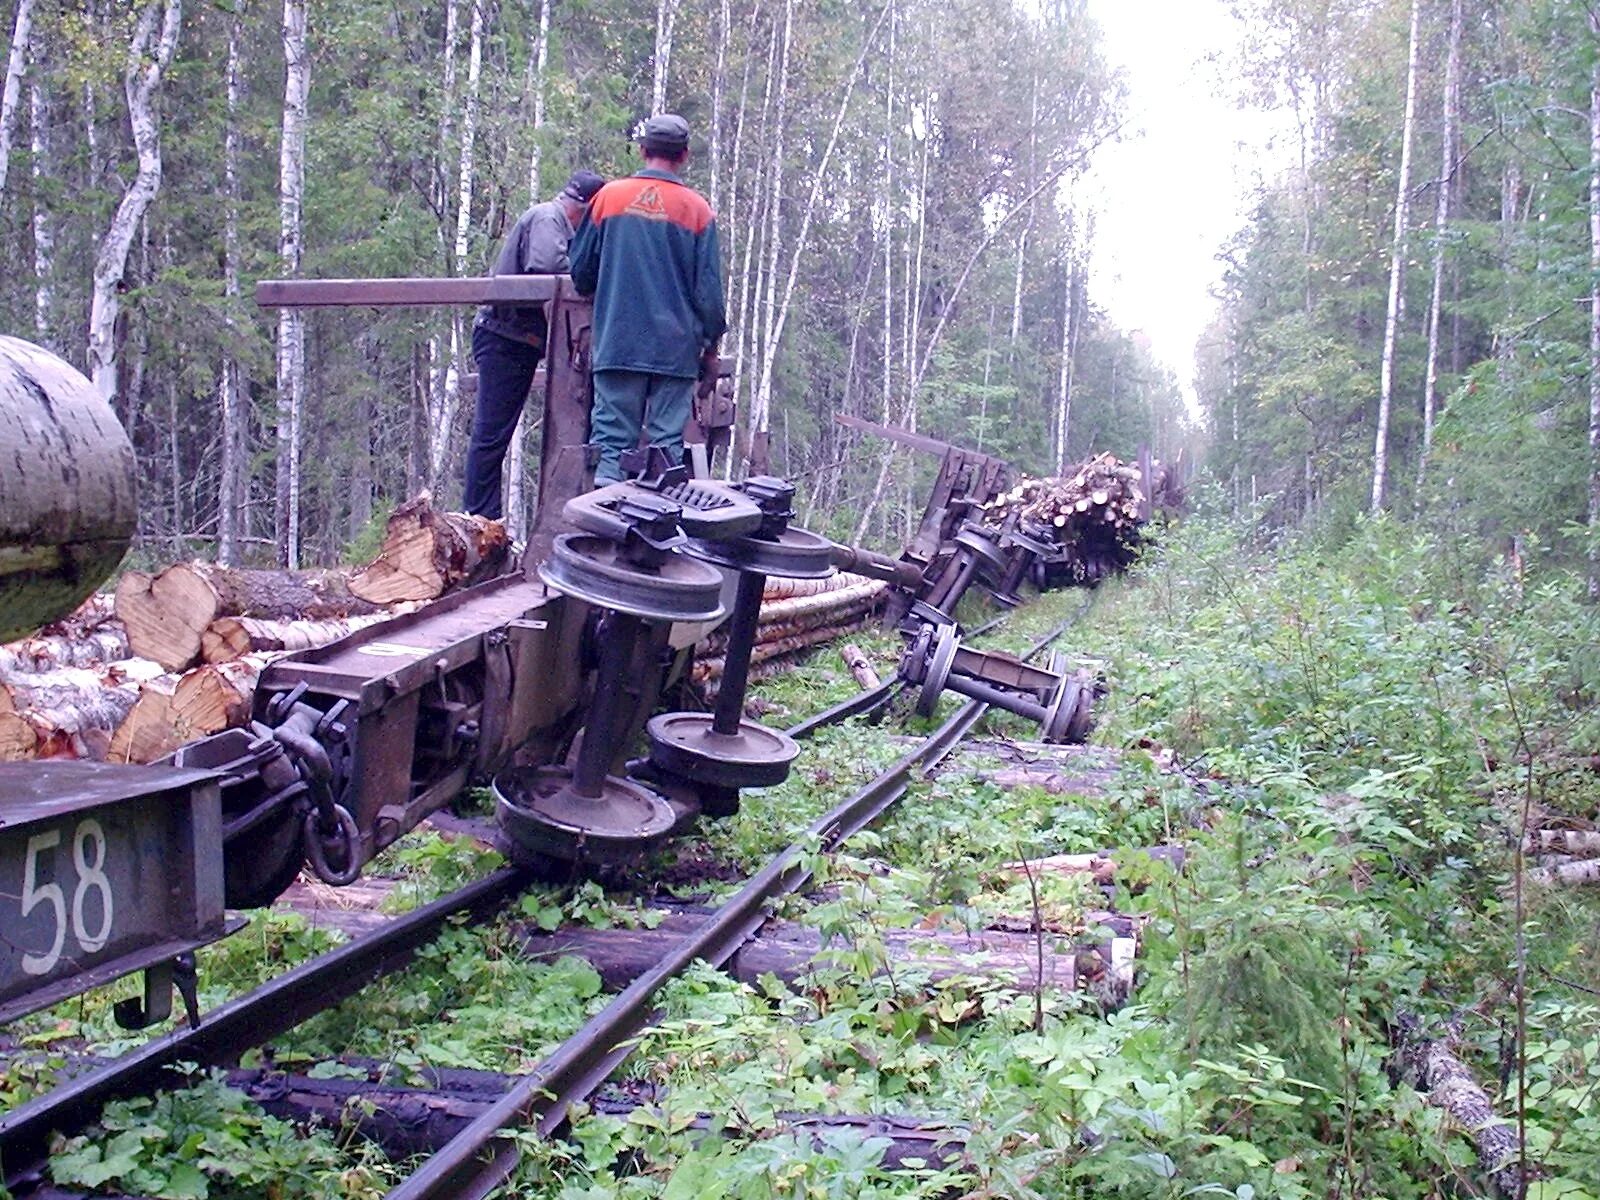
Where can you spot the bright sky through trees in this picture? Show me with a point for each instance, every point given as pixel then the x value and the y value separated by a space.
pixel 1179 182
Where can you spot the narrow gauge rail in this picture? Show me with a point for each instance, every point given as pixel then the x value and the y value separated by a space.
pixel 480 1158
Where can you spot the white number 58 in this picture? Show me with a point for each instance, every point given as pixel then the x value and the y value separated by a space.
pixel 89 857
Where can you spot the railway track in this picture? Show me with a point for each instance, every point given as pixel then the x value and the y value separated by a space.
pixel 470 1116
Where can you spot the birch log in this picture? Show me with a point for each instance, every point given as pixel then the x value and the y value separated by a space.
pixel 149 54
pixel 1431 1066
pixel 175 710
pixel 67 507
pixel 860 666
pixel 228 638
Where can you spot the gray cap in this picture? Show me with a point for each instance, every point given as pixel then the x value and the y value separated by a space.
pixel 665 131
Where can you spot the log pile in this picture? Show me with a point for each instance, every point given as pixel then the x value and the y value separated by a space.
pixel 1094 514
pixel 1563 856
pixel 177 653
pixel 796 614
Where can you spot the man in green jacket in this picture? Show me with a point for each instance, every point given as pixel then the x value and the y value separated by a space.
pixel 647 252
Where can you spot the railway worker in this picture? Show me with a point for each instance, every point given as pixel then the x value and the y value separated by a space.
pixel 647 251
pixel 508 340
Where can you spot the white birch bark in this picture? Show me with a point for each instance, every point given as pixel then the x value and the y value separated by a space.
pixel 724 33
pixel 818 179
pixel 761 405
pixel 1063 413
pixel 155 37
pixel 229 395
pixel 1594 316
pixel 746 333
pixel 666 15
pixel 516 464
pixel 1396 307
pixel 291 328
pixel 442 430
pixel 44 236
pixel 541 59
pixel 11 98
pixel 1441 221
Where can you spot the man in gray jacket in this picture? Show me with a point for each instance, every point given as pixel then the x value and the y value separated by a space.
pixel 508 340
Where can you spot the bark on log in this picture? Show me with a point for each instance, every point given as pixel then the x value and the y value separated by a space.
pixel 794 607
pixel 167 613
pixel 71 713
pixel 228 638
pixel 845 616
pixel 860 666
pixel 67 506
pixel 794 953
pixel 1572 873
pixel 407 1121
pixel 1581 843
pixel 426 553
pixel 709 670
pixel 106 643
pixel 1430 1065
pixel 1100 866
pixel 780 588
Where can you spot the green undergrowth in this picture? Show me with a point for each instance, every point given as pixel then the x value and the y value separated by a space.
pixel 1346 740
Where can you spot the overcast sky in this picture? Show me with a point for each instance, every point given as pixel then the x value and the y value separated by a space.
pixel 1179 182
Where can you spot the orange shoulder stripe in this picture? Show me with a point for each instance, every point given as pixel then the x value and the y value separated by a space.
pixel 653 200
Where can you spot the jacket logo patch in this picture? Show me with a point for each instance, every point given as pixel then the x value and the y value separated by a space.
pixel 648 204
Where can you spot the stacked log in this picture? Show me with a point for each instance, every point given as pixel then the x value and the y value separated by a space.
pixel 1094 515
pixel 427 553
pixel 167 614
pixel 1563 856
pixel 797 614
pixel 176 655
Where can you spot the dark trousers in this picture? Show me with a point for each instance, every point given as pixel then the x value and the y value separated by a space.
pixel 505 372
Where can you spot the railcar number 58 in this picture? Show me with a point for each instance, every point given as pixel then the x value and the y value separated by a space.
pixel 92 906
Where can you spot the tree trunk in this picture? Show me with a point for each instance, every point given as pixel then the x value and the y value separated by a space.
pixel 666 15
pixel 427 552
pixel 1397 254
pixel 1063 414
pixel 166 614
pixel 44 240
pixel 1594 319
pixel 155 37
pixel 444 430
pixel 230 398
pixel 1441 221
pixel 541 58
pixel 291 328
pixel 21 38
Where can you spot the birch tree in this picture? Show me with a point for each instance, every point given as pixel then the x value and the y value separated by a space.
pixel 445 418
pixel 291 328
pixel 229 392
pixel 1397 254
pixel 1441 220
pixel 150 50
pixel 1594 315
pixel 666 16
pixel 44 238
pixel 11 97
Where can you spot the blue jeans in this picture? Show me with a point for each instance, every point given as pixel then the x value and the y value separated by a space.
pixel 626 402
